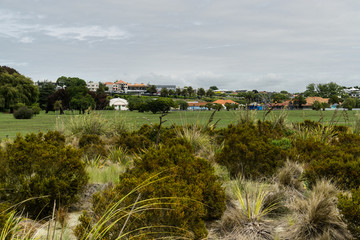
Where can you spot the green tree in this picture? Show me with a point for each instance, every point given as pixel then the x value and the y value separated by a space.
pixel 316 106
pixel 16 88
pixel 184 92
pixel 46 89
pixel 279 97
pixel 183 105
pixel 299 100
pixel 74 86
pixel 82 103
pixel 334 99
pixel 210 93
pixel 171 92
pixel 329 89
pixel 102 88
pixel 310 90
pixel 190 91
pixel 151 89
pixel 178 92
pixel 160 105
pixel 201 92
pixel 209 106
pixel 217 106
pixel 349 103
pixel 214 88
pixel 164 92
pixel 58 106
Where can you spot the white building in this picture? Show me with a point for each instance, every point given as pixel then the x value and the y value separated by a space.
pixel 119 103
pixel 92 86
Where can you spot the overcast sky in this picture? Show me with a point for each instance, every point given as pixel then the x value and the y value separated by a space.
pixel 233 44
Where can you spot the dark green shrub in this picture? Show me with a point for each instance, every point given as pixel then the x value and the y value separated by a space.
pixel 350 209
pixel 23 113
pixel 84 225
pixel 249 152
pixel 337 161
pixel 40 169
pixel 133 142
pixel 92 145
pixel 186 182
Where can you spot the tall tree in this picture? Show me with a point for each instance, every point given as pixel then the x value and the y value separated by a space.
pixel 299 100
pixel 210 93
pixel 310 90
pixel 201 92
pixel 16 88
pixel 46 89
pixel 190 91
pixel 151 89
pixel 164 92
pixel 329 89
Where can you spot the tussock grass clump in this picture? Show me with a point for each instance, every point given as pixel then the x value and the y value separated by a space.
pixel 119 155
pixel 247 215
pixel 202 143
pixel 289 176
pixel 279 119
pixel 92 124
pixel 317 216
pixel 245 116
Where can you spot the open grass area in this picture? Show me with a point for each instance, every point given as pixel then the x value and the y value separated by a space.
pixel 9 126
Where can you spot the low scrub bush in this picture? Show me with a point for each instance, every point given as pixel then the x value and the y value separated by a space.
pixel 92 145
pixel 186 188
pixel 23 113
pixel 37 170
pixel 133 142
pixel 249 152
pixel 349 206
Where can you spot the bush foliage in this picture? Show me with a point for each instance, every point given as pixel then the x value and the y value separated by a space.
pixel 249 152
pixel 187 192
pixel 23 113
pixel 350 209
pixel 37 170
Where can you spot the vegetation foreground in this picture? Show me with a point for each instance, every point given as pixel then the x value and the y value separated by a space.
pixel 99 177
pixel 9 126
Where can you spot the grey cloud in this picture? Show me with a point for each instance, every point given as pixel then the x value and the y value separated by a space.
pixel 13 26
pixel 234 44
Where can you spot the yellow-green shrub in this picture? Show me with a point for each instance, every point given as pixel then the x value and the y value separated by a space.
pixel 37 170
pixel 186 182
pixel 249 152
pixel 350 209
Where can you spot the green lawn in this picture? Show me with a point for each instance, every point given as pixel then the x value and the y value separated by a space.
pixel 9 126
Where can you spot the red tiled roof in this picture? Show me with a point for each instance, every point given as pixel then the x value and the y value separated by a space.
pixel 286 103
pixel 137 85
pixel 108 83
pixel 197 104
pixel 121 82
pixel 310 100
pixel 222 102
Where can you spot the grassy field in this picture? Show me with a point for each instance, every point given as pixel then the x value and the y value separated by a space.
pixel 9 126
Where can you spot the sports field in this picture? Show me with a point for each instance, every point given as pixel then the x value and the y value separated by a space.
pixel 9 126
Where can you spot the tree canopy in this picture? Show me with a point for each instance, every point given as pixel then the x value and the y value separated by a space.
pixel 16 88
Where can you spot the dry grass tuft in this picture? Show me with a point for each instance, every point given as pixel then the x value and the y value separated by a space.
pixel 289 176
pixel 317 216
